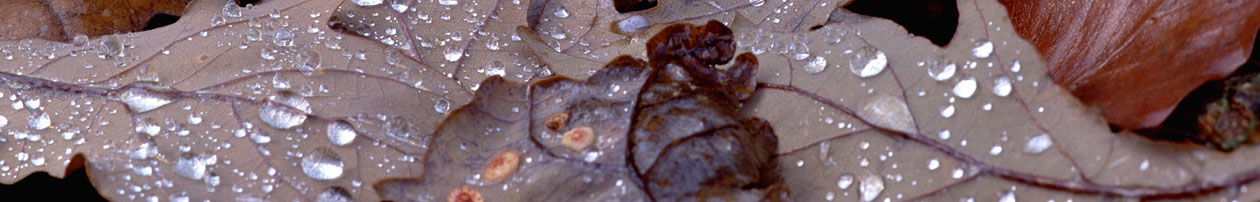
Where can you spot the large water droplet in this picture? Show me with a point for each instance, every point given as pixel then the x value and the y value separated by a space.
pixel 448 2
pixel 334 194
pixel 871 186
pixel 453 54
pixel 867 61
pixel 1038 144
pixel 933 164
pixel 845 181
pixel 283 38
pixel 888 112
pixel 367 2
pixel 341 133
pixel 562 13
pixel 817 65
pixel 322 164
pixel 190 166
pixel 1002 86
pixel 983 49
pixel 40 122
pixel 140 101
pixel 442 105
pixel 231 10
pixel 941 69
pixel 285 110
pixel 965 88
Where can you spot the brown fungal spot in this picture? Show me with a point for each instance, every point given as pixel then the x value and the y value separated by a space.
pixel 557 121
pixel 464 194
pixel 578 138
pixel 502 166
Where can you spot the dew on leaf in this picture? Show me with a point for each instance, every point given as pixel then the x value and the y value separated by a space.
pixel 322 164
pixel 190 166
pixel 941 69
pixel 965 88
pixel 452 54
pixel 144 151
pixel 944 135
pixel 284 110
pixel 40 122
pixel 334 194
pixel 561 13
pixel 1015 67
pixel 947 111
pixel 140 101
pixel 442 105
pixel 845 181
pixel 995 150
pixel 260 138
pixel 871 186
pixel 958 173
pixel 1007 197
pixel 933 164
pixel 341 133
pixel 448 2
pixel 888 112
pixel 983 48
pixel 1038 144
pixel 282 38
pixel 400 7
pixel 867 61
pixel 231 10
pixel 817 65
pixel 1002 86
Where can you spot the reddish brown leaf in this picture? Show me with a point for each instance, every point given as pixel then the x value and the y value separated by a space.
pixel 61 20
pixel 1137 59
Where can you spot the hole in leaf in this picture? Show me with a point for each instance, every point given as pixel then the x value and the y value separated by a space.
pixel 160 20
pixel 242 3
pixel 626 6
pixel 934 19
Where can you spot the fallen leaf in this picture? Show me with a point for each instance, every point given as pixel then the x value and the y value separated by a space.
pixel 1137 59
pixel 63 20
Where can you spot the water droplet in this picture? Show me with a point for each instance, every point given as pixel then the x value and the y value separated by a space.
pixel 871 186
pixel 283 38
pixel 1015 67
pixel 448 2
pixel 1146 164
pixel 40 122
pixel 983 49
pixel 1002 86
pixel 190 166
pixel 947 111
pixel 285 110
pixel 817 65
pixel 260 138
pixel 944 135
pixel 453 54
pixel 140 101
pixel 958 173
pixel 867 61
pixel 144 151
pixel 231 10
pixel 334 194
pixel 845 181
pixel 214 21
pixel 997 149
pixel 1007 197
pixel 561 13
pixel 322 164
pixel 399 6
pixel 965 88
pixel 834 34
pixel 941 69
pixel 367 2
pixel 495 69
pixel 341 133
pixel 799 50
pixel 442 105
pixel 933 164
pixel 633 24
pixel 888 112
pixel 1038 144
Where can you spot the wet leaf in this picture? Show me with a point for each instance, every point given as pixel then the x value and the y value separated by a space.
pixel 320 100
pixel 66 20
pixel 1117 54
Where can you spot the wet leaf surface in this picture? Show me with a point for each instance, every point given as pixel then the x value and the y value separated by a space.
pixel 64 20
pixel 1116 54
pixel 323 99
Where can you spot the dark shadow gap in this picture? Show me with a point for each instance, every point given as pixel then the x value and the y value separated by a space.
pixel 160 20
pixel 75 187
pixel 242 3
pixel 936 20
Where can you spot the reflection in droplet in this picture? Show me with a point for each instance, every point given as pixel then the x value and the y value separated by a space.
pixel 817 65
pixel 983 49
pixel 284 110
pixel 867 61
pixel 334 194
pixel 144 151
pixel 341 133
pixel 965 88
pixel 1007 197
pixel 40 122
pixel 871 186
pixel 1038 144
pixel 1015 67
pixel 888 112
pixel 367 2
pixel 231 10
pixel 139 101
pixel 442 105
pixel 941 69
pixel 845 181
pixel 322 164
pixel 1002 86
pixel 448 2
pixel 190 166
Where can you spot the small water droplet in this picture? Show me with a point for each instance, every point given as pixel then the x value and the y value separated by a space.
pixel 888 112
pixel 1015 67
pixel 944 135
pixel 947 111
pixel 871 186
pixel 1038 144
pixel 367 2
pixel 322 164
pixel 334 194
pixel 562 13
pixel 995 150
pixel 341 133
pixel 144 151
pixel 958 173
pixel 1002 86
pixel 965 88
pixel 190 166
pixel 941 69
pixel 983 49
pixel 399 6
pixel 845 181
pixel 1146 164
pixel 231 10
pixel 867 61
pixel 933 164
pixel 448 2
pixel 40 122
pixel 260 138
pixel 817 65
